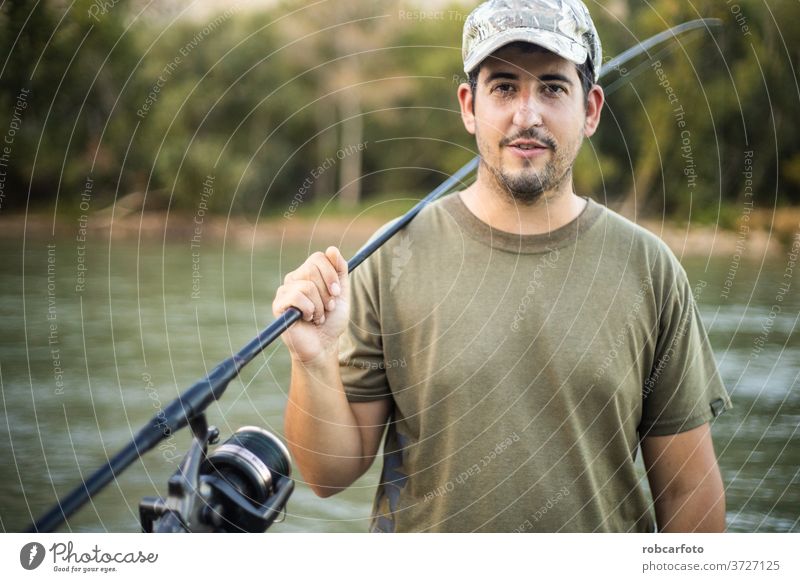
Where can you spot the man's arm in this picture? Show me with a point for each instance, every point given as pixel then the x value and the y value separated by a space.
pixel 685 481
pixel 332 441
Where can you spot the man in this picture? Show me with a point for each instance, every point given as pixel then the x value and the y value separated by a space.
pixel 521 342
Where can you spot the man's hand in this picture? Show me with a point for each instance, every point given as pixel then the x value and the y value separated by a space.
pixel 333 441
pixel 320 289
pixel 685 481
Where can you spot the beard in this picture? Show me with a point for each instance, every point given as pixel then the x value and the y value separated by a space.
pixel 527 186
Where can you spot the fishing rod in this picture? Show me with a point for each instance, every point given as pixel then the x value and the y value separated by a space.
pixel 189 407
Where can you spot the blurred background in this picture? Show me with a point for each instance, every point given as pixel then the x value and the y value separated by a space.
pixel 164 164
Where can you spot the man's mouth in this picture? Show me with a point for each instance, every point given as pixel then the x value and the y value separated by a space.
pixel 528 149
pixel 528 145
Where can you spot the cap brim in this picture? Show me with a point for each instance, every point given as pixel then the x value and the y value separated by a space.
pixel 551 41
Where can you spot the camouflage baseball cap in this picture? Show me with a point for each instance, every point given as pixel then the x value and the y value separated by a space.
pixel 561 26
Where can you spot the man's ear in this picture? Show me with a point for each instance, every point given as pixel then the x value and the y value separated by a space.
pixel 467 102
pixel 594 107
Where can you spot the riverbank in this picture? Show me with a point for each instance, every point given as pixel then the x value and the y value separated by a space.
pixel 766 233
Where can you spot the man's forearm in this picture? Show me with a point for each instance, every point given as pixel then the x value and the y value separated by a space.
pixel 320 427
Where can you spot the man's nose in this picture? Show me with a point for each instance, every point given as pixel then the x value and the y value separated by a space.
pixel 527 113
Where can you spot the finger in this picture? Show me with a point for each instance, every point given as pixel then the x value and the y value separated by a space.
pixel 310 290
pixel 323 275
pixel 337 260
pixel 310 273
pixel 340 265
pixel 327 269
pixel 287 297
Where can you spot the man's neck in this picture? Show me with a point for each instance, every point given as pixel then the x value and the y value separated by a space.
pixel 498 209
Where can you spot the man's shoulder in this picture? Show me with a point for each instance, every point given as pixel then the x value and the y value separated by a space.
pixel 629 229
pixel 637 245
pixel 425 233
pixel 427 224
pixel 628 232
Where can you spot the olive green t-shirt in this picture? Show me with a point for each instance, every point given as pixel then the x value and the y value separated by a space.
pixel 524 370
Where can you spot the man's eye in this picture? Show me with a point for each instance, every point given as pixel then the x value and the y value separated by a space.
pixel 504 88
pixel 554 89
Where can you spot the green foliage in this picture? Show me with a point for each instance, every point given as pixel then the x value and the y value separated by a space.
pixel 258 99
pixel 738 91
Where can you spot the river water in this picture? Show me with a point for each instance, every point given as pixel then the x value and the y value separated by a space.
pixel 86 356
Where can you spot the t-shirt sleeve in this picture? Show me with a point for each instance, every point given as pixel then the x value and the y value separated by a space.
pixel 684 389
pixel 361 359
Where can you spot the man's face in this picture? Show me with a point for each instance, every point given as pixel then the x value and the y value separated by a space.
pixel 529 116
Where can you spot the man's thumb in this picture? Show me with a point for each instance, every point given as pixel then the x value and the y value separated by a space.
pixel 338 262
